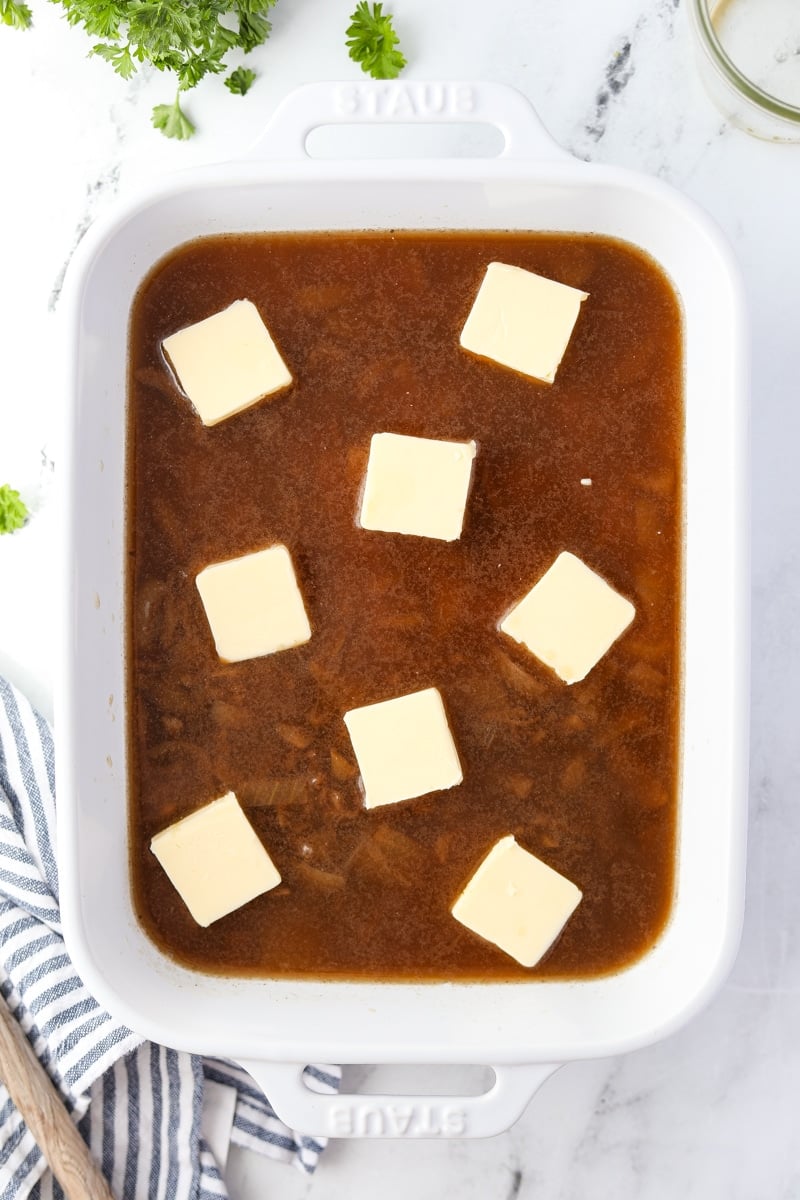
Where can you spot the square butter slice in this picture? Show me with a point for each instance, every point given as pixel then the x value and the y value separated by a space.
pixel 215 860
pixel 416 486
pixel 522 320
pixel 253 604
pixel 404 748
pixel 227 362
pixel 517 902
pixel 570 618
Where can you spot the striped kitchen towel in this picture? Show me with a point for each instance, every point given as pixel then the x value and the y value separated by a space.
pixel 139 1106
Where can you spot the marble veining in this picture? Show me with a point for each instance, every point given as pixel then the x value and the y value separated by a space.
pixel 106 184
pixel 618 75
pixel 710 1113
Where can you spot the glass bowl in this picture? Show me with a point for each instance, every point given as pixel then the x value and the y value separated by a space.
pixel 749 58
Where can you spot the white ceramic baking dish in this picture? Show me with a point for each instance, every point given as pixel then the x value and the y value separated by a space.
pixel 524 1030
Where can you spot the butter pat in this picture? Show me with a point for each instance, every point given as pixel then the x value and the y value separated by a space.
pixel 416 486
pixel 570 618
pixel 227 362
pixel 253 605
pixel 404 748
pixel 522 320
pixel 517 902
pixel 215 860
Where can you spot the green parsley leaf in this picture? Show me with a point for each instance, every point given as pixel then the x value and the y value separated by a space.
pixel 119 56
pixel 254 29
pixel 100 18
pixel 223 39
pixel 172 120
pixel 240 81
pixel 17 15
pixel 195 67
pixel 13 510
pixel 161 27
pixel 371 41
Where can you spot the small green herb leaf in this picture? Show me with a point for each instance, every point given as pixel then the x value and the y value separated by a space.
pixel 119 56
pixel 371 41
pixel 240 81
pixel 195 67
pixel 254 29
pixel 172 120
pixel 12 13
pixel 13 510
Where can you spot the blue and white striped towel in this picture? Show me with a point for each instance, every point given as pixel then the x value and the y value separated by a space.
pixel 139 1106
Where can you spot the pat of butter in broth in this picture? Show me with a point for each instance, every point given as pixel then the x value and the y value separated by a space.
pixel 517 902
pixel 215 860
pixel 404 748
pixel 570 618
pixel 253 604
pixel 227 362
pixel 522 320
pixel 416 486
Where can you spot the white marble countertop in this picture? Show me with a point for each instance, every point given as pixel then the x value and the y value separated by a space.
pixel 711 1113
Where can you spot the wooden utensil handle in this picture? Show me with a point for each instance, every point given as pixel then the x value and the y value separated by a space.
pixel 37 1099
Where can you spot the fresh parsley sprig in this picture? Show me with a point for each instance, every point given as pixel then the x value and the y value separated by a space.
pixel 372 41
pixel 172 120
pixel 13 510
pixel 188 38
pixel 12 13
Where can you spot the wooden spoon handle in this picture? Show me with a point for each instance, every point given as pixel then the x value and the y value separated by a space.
pixel 34 1094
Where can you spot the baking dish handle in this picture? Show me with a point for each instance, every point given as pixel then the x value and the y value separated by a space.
pixel 376 102
pixel 363 1116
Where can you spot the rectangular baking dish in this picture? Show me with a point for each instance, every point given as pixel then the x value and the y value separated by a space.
pixel 524 1030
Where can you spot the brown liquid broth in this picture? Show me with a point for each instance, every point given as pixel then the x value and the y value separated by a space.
pixel 584 776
